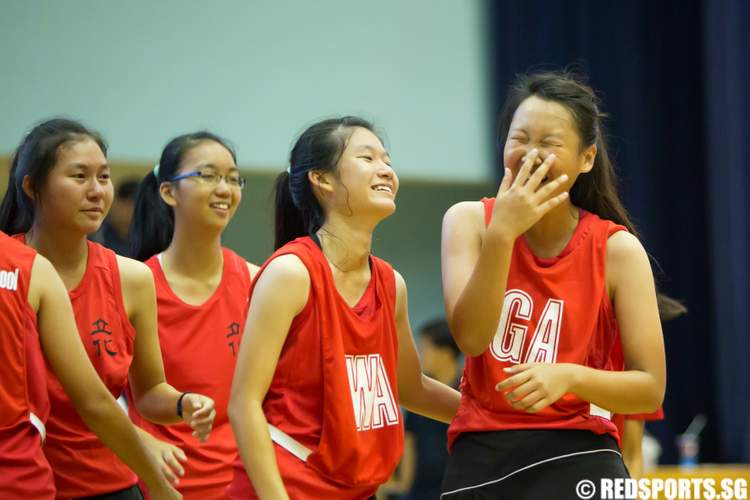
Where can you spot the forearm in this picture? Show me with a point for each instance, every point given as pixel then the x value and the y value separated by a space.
pixel 433 399
pixel 159 404
pixel 477 311
pixel 107 420
pixel 256 449
pixel 624 392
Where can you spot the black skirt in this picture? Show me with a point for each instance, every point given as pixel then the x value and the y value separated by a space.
pixel 529 464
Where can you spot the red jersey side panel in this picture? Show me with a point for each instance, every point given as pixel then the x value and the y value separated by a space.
pixel 199 345
pixel 24 472
pixel 334 389
pixel 554 311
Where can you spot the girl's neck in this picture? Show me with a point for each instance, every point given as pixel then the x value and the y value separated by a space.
pixel 194 251
pixel 345 243
pixel 549 237
pixel 67 251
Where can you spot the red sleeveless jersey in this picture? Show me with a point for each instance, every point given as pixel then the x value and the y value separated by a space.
pixel 24 472
pixel 82 464
pixel 335 387
pixel 199 346
pixel 554 311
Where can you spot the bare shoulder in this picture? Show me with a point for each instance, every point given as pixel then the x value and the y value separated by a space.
pixel 622 246
pixel 134 274
pixel 464 212
pixel 286 270
pixel 284 284
pixel 627 261
pixel 400 286
pixel 253 269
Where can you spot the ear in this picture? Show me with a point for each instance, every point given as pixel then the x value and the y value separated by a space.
pixel 589 155
pixel 167 194
pixel 26 187
pixel 320 181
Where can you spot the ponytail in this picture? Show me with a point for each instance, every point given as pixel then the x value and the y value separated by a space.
pixel 152 225
pixel 16 209
pixel 289 224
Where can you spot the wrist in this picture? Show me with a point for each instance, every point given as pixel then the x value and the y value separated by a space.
pixel 575 377
pixel 180 404
pixel 499 235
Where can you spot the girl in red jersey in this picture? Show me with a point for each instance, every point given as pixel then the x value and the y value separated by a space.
pixel 202 292
pixel 37 323
pixel 559 259
pixel 60 191
pixel 328 354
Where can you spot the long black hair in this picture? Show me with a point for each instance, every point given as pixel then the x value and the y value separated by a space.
pixel 319 148
pixel 152 226
pixel 595 191
pixel 34 158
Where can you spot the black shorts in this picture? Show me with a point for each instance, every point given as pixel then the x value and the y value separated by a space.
pixel 529 464
pixel 132 493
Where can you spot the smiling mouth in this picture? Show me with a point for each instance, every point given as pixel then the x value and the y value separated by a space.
pixel 383 188
pixel 220 206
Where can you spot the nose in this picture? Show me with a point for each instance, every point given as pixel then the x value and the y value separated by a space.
pixel 541 155
pixel 96 189
pixel 386 171
pixel 223 185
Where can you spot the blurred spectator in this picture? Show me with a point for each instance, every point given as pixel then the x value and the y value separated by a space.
pixel 420 472
pixel 114 231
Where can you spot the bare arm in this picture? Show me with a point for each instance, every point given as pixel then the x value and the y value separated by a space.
pixel 638 389
pixel 68 360
pixel 155 399
pixel 475 261
pixel 416 391
pixel 279 295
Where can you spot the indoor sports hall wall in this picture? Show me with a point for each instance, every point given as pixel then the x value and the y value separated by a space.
pixel 256 72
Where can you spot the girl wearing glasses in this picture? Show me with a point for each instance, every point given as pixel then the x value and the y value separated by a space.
pixel 59 192
pixel 329 353
pixel 181 210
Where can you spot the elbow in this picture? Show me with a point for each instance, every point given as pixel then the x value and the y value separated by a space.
pixel 237 411
pixel 653 398
pixel 233 412
pixel 469 346
pixel 96 408
pixel 470 341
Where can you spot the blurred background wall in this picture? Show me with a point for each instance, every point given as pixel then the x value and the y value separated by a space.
pixel 433 74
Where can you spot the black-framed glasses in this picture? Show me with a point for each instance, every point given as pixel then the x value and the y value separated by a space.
pixel 213 179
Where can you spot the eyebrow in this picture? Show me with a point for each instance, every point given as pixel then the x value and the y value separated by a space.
pixel 84 165
pixel 367 146
pixel 557 134
pixel 211 165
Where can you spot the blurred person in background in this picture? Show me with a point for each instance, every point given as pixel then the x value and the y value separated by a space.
pixel 421 469
pixel 114 231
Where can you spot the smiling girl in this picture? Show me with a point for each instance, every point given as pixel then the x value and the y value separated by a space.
pixel 328 353
pixel 202 291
